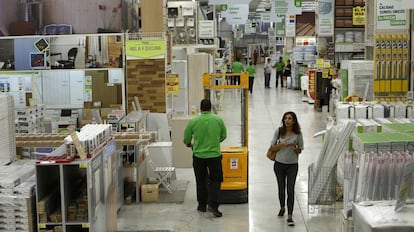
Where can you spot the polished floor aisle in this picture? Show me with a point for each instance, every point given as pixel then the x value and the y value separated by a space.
pixel 266 107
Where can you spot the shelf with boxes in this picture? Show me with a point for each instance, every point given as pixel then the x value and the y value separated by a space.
pixel 75 194
pixel 349 30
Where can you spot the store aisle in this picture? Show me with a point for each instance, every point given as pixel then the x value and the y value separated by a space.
pixel 266 107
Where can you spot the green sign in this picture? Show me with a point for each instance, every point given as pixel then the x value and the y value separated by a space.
pixel 223 7
pixel 298 3
pixel 280 27
pixel 145 48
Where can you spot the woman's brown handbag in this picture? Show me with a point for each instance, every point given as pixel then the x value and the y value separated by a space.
pixel 271 154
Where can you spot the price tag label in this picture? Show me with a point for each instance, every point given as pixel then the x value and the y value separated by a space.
pixel 41 226
pixel 85 225
pixel 83 165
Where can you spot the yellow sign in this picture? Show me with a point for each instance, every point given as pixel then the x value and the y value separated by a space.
pixel 319 63
pixel 145 49
pixel 171 83
pixel 358 15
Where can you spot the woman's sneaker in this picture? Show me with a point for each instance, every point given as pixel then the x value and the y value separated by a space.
pixel 290 222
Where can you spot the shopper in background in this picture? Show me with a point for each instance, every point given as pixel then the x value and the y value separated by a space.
pixel 237 67
pixel 288 71
pixel 251 71
pixel 255 54
pixel 267 68
pixel 279 66
pixel 204 133
pixel 288 143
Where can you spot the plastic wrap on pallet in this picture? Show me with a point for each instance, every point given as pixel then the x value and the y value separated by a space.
pixel 379 216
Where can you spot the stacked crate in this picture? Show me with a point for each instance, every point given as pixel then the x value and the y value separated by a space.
pixel 29 120
pixel 17 198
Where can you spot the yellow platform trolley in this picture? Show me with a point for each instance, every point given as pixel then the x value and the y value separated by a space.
pixel 234 188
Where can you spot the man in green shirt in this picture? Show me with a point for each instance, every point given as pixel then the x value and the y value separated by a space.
pixel 204 133
pixel 251 71
pixel 279 65
pixel 237 67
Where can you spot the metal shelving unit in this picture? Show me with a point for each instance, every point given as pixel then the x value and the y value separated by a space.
pixel 76 195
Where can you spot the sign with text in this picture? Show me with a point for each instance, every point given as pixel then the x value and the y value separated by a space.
pixel 171 83
pixel 391 14
pixel 326 18
pixel 206 29
pixel 145 49
pixel 358 15
pixel 290 26
pixel 287 7
pixel 236 14
pixel 312 83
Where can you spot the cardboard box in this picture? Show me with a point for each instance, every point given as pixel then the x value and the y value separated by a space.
pixel 149 193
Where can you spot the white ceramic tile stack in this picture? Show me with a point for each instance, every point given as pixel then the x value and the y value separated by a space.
pixel 339 38
pixel 8 133
pixel 358 37
pixel 349 37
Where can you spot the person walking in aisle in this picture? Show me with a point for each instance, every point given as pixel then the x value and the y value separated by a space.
pixel 279 65
pixel 203 134
pixel 251 71
pixel 288 72
pixel 288 143
pixel 255 55
pixel 237 67
pixel 267 68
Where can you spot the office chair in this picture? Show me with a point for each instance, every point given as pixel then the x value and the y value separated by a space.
pixel 70 62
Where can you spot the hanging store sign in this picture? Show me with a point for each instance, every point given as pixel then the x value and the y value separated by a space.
pixel 326 18
pixel 358 15
pixel 145 49
pixel 290 25
pixel 287 7
pixel 236 14
pixel 280 27
pixel 206 29
pixel 171 84
pixel 391 14
pixel 312 83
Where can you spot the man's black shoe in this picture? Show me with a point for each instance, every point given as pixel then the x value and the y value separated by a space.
pixel 202 208
pixel 215 212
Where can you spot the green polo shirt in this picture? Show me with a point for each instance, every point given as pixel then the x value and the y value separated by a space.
pixel 237 67
pixel 206 131
pixel 279 66
pixel 251 70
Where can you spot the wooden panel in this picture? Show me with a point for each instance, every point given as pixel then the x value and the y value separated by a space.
pixel 198 64
pixel 146 80
pixel 153 16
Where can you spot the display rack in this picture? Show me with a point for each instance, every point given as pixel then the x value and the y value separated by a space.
pixel 321 187
pixel 77 195
pixel 133 156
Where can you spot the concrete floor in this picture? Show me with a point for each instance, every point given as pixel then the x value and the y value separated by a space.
pixel 266 107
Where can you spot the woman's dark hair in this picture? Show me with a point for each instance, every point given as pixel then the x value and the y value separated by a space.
pixel 295 126
pixel 205 105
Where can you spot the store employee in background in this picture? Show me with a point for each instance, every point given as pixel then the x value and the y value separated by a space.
pixel 204 133
pixel 237 67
